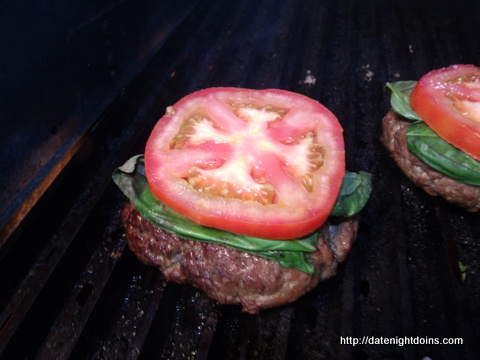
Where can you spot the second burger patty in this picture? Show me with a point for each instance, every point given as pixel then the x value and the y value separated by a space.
pixel 231 276
pixel 394 129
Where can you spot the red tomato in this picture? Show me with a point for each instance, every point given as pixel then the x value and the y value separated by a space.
pixel 448 100
pixel 263 163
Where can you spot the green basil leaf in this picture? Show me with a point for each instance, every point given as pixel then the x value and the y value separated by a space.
pixel 442 156
pixel 130 178
pixel 163 216
pixel 400 98
pixel 289 259
pixel 354 194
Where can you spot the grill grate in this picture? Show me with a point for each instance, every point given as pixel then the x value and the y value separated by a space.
pixel 70 289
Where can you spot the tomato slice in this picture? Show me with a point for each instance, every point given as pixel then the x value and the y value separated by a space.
pixel 448 100
pixel 263 163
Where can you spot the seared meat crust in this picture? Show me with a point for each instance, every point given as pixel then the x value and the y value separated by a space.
pixel 231 276
pixel 434 183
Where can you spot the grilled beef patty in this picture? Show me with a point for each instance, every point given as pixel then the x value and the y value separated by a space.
pixel 433 182
pixel 231 276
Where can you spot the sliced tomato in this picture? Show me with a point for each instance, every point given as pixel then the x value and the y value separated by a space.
pixel 263 163
pixel 448 100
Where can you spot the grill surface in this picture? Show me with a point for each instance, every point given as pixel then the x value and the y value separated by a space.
pixel 70 289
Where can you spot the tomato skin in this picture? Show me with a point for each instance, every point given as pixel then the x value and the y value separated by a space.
pixel 295 213
pixel 448 100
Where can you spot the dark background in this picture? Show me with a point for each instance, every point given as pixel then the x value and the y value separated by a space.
pixel 61 65
pixel 83 83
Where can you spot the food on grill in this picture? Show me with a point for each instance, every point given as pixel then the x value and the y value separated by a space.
pixel 265 163
pixel 244 194
pixel 433 182
pixel 433 133
pixel 235 277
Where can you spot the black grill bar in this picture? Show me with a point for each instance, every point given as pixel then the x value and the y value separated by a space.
pixel 71 289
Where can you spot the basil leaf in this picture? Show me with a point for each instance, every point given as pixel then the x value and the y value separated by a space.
pixel 163 216
pixel 354 194
pixel 130 178
pixel 442 156
pixel 300 260
pixel 400 98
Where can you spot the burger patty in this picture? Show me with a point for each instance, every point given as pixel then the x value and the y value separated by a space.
pixel 433 182
pixel 231 276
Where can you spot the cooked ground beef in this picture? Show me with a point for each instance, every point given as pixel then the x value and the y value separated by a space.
pixel 231 276
pixel 434 183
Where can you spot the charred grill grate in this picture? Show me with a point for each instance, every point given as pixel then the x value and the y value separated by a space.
pixel 70 289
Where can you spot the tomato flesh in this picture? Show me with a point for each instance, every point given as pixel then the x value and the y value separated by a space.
pixel 263 163
pixel 448 100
